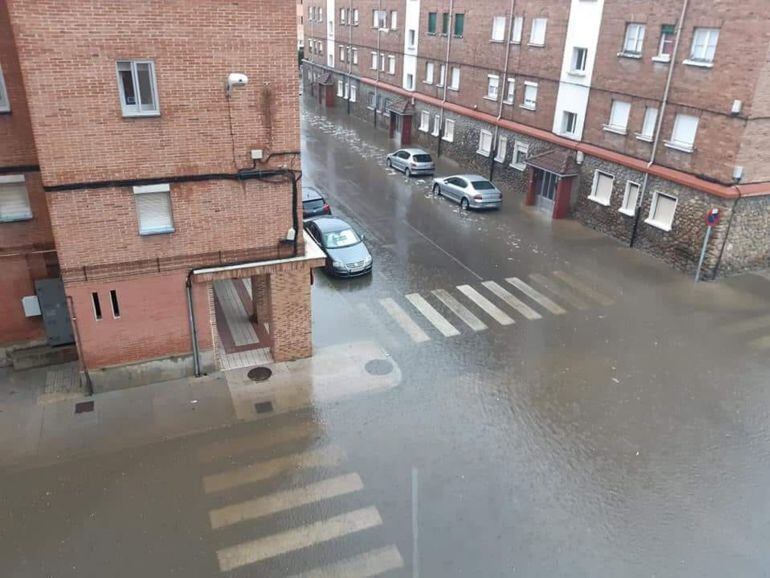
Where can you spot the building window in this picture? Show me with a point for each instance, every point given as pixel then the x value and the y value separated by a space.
pixel 5 104
pixel 374 61
pixel 568 122
pixel 510 93
pixel 449 130
pixel 429 68
pixel 410 81
pixel 666 46
pixel 424 121
pixel 530 95
pixel 630 198
pixel 355 55
pixel 502 147
pixel 382 62
pixel 436 124
pixel 537 34
pixel 412 38
pixel 393 19
pixel 683 135
pixel 320 14
pixel 342 54
pixel 493 86
pixel 14 201
pixel 632 44
pixel 353 93
pixel 340 88
pixel 153 209
pixel 648 126
pixel 485 143
pixel 618 121
pixel 432 21
pixel 459 25
pixel 330 60
pixel 704 46
pixel 96 305
pixel 312 13
pixel 379 19
pixel 342 16
pixel 455 83
pixel 115 304
pixel 498 29
pixel 370 101
pixel 391 64
pixel 441 75
pixel 355 17
pixel 601 190
pixel 662 211
pixel 445 23
pixel 519 159
pixel 138 91
pixel 579 58
pixel 386 107
pixel 518 27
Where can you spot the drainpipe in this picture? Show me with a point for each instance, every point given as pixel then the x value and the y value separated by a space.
pixel 350 49
pixel 193 329
pixel 81 357
pixel 446 74
pixel 377 72
pixel 659 123
pixel 495 139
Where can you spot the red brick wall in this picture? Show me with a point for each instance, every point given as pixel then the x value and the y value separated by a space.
pixel 291 328
pixel 17 281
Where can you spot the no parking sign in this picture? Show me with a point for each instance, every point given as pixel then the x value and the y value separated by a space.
pixel 712 217
pixel 712 220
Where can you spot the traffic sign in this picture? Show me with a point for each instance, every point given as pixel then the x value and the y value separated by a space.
pixel 712 217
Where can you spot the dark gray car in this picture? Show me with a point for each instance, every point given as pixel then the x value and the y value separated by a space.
pixel 346 254
pixel 411 162
pixel 313 203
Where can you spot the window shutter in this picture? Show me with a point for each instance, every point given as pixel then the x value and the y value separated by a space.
pixel 603 187
pixel 14 202
pixel 664 209
pixel 154 212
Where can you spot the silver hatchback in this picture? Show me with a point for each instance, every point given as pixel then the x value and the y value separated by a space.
pixel 471 191
pixel 411 162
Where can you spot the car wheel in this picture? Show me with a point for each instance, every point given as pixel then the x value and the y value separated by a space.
pixel 437 190
pixel 388 163
pixel 407 173
pixel 464 204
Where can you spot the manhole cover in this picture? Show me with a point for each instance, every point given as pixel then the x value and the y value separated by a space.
pixel 259 374
pixel 264 406
pixel 379 367
pixel 84 407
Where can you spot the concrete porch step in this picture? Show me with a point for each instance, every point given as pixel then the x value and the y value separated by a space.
pixel 41 356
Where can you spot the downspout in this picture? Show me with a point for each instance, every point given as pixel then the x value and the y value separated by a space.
pixel 377 72
pixel 440 135
pixel 659 123
pixel 495 139
pixel 193 329
pixel 81 358
pixel 350 49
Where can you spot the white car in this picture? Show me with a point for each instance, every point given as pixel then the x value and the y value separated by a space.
pixel 411 162
pixel 471 191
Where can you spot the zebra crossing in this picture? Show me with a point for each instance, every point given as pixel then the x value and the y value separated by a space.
pixel 253 479
pixel 450 313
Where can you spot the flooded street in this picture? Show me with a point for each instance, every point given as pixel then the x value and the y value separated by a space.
pixel 568 407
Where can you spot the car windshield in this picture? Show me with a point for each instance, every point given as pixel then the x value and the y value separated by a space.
pixel 337 239
pixel 313 205
pixel 422 158
pixel 482 185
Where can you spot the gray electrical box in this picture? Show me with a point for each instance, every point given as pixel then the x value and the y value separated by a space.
pixel 31 306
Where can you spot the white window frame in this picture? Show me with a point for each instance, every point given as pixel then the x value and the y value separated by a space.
pixel 539 39
pixel 648 124
pixel 383 61
pixel 678 144
pixel 436 124
pixel 576 60
pixel 703 50
pixel 616 114
pixel 449 130
pixel 528 87
pixel 409 81
pixel 394 19
pixel 342 53
pixel 498 28
pixel 485 143
pixel 661 56
pixel 130 110
pixel 340 88
pixel 353 92
pixel 493 87
pixel 454 81
pixel 517 29
pixel 15 180
pixel 519 147
pixel 380 19
pixel 354 55
pixel 633 40
pixel 343 19
pixel 424 121
pixel 391 64
pixel 430 69
pixel 5 103
pixel 510 95
pixel 595 186
pixel 629 208
pixel 441 75
pixel 160 189
pixel 355 17
pixel 565 116
pixel 411 38
pixel 502 149
pixel 374 61
pixel 650 220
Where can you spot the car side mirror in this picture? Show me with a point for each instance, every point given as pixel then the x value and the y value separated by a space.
pixel 363 237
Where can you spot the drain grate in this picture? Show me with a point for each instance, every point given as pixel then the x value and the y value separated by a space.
pixel 378 367
pixel 259 374
pixel 264 406
pixel 84 407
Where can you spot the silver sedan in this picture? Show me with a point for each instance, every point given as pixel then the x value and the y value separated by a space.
pixel 411 162
pixel 471 191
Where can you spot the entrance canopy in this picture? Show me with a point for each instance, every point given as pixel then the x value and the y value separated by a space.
pixel 560 162
pixel 401 106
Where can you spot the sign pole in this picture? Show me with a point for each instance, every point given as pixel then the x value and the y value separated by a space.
pixel 703 253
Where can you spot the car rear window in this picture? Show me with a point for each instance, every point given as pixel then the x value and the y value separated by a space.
pixel 313 205
pixel 482 185
pixel 422 158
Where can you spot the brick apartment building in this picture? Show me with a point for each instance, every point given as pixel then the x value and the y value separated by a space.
pixel 634 117
pixel 126 172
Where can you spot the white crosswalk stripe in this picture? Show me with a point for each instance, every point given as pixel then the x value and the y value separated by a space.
pixel 583 288
pixel 253 443
pixel 760 342
pixel 512 301
pixel 404 321
pixel 559 291
pixel 297 538
pixel 536 296
pixel 366 565
pixel 486 305
pixel 753 324
pixel 460 310
pixel 429 312
pixel 286 500
pixel 264 470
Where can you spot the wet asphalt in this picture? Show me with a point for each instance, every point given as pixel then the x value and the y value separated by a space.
pixel 625 436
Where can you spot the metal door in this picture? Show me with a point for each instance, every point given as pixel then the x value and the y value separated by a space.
pixel 398 126
pixel 545 189
pixel 56 315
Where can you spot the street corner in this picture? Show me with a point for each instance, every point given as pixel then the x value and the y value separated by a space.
pixel 333 373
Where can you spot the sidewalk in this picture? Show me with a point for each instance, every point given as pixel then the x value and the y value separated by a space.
pixel 37 430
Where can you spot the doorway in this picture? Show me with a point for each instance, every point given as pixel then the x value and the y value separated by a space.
pixel 545 190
